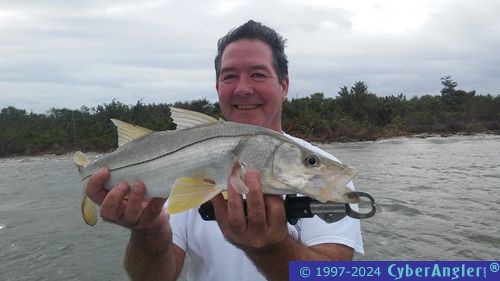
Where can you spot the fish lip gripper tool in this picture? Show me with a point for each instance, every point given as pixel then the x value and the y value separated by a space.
pixel 298 207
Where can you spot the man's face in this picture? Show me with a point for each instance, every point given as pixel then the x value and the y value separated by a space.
pixel 248 86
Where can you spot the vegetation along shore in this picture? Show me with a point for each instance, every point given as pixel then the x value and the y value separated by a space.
pixel 354 115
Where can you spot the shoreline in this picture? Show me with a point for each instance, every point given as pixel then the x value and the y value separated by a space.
pixel 70 152
pixel 381 137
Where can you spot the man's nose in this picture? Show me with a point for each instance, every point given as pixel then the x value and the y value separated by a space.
pixel 243 87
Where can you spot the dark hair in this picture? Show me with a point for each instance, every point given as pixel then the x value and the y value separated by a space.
pixel 256 30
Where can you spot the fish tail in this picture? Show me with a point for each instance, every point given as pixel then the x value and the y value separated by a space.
pixel 89 211
pixel 80 159
pixel 87 207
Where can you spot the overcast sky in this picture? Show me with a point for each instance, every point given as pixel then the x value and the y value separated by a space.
pixel 73 53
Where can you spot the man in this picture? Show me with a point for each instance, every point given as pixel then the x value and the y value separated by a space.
pixel 252 83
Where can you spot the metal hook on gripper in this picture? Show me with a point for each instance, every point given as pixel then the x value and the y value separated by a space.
pixel 356 215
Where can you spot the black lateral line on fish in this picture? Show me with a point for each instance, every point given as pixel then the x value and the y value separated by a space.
pixel 172 152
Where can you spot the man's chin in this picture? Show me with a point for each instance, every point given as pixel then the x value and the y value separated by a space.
pixel 252 120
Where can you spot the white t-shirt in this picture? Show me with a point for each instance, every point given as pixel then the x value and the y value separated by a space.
pixel 213 258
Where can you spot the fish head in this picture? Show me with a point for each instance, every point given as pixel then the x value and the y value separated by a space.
pixel 312 174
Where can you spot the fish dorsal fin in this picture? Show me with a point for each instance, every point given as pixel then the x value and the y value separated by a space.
pixel 184 118
pixel 128 132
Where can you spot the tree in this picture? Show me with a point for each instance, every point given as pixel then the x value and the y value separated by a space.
pixel 456 100
pixel 448 85
pixel 358 102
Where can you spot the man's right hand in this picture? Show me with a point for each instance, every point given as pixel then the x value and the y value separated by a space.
pixel 127 205
pixel 150 253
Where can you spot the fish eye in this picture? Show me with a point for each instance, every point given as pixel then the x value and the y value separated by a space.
pixel 311 161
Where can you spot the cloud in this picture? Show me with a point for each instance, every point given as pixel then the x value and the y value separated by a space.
pixel 71 53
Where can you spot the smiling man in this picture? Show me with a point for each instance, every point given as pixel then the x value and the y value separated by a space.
pixel 252 84
pixel 250 90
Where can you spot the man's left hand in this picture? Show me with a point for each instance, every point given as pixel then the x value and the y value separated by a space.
pixel 263 226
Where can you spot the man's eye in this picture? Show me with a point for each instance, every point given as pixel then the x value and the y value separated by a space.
pixel 259 75
pixel 228 77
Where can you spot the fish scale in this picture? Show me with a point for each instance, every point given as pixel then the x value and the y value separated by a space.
pixel 192 165
pixel 160 174
pixel 162 144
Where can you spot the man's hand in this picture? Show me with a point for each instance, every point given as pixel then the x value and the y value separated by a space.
pixel 126 205
pixel 150 253
pixel 262 227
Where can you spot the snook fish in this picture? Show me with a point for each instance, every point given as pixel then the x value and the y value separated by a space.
pixel 192 164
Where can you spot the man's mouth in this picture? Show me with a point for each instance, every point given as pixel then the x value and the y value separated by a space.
pixel 246 106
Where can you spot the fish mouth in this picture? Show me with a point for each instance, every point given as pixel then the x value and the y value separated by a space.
pixel 246 106
pixel 333 187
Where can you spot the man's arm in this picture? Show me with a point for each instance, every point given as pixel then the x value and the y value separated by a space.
pixel 262 232
pixel 153 257
pixel 150 253
pixel 273 262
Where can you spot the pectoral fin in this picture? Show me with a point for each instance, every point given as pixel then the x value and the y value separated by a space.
pixel 236 181
pixel 188 193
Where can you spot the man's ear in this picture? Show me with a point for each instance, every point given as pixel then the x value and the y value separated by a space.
pixel 284 88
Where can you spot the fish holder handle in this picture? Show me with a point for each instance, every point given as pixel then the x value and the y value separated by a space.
pixel 297 207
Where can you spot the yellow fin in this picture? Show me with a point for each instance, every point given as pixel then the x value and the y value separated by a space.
pixel 80 159
pixel 89 211
pixel 128 132
pixel 188 193
pixel 184 118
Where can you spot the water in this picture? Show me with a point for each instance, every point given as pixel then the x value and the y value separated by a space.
pixel 437 199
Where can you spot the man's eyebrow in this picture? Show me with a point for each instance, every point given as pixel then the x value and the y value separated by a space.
pixel 227 69
pixel 254 67
pixel 260 67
